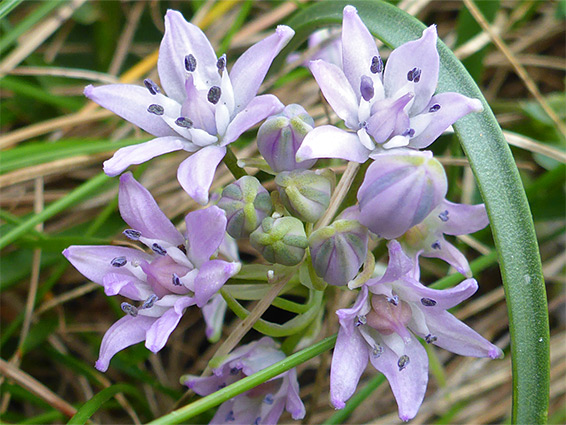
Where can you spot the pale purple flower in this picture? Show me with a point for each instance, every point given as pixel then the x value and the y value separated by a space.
pixel 330 47
pixel 206 107
pixel 382 106
pixel 178 273
pixel 261 405
pixel 382 327
pixel 427 238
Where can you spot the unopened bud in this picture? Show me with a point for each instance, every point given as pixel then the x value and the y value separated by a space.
pixel 280 136
pixel 305 193
pixel 280 240
pixel 246 203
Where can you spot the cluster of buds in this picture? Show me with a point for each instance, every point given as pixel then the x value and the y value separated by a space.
pixel 390 112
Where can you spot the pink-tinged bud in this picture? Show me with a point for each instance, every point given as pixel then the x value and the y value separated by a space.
pixel 281 240
pixel 246 203
pixel 399 191
pixel 305 193
pixel 338 251
pixel 280 137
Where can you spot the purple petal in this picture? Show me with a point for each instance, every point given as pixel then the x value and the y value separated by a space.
pixel 197 108
pixel 131 103
pixel 205 232
pixel 181 39
pixel 259 108
pixel 128 286
pixel 225 410
pixel 463 219
pixel 453 106
pixel 449 253
pixel 250 69
pixel 399 265
pixel 328 141
pixel 386 116
pixel 212 275
pixel 204 385
pixel 349 361
pixel 127 331
pixel 158 333
pixel 409 384
pixel 443 299
pixel 140 153
pixel 421 54
pixel 294 404
pixel 195 173
pixel 337 91
pixel 358 47
pixel 269 414
pixel 455 336
pixel 94 262
pixel 213 313
pixel 346 316
pixel 141 212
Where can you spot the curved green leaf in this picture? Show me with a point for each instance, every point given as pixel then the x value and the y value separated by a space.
pixel 501 188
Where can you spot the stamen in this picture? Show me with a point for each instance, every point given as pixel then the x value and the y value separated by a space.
pixel 443 216
pixel 183 249
pixel 230 416
pixel 151 86
pixel 409 132
pixel 234 371
pixel 257 420
pixel 393 300
pixel 184 122
pixel 175 279
pixel 268 399
pixel 155 109
pixel 434 108
pixel 221 62
pixel 377 351
pixel 118 262
pixel 214 95
pixel 363 124
pixel 150 301
pixel 129 309
pixel 436 245
pixel 361 320
pixel 158 249
pixel 430 339
pixel 190 63
pixel 428 302
pixel 366 88
pixel 403 362
pixel 132 234
pixel 414 75
pixel 376 65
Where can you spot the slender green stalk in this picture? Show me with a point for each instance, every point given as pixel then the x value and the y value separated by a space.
pixel 232 164
pixel 189 411
pixel 7 6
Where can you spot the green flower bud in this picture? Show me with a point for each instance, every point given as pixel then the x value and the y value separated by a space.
pixel 280 240
pixel 246 203
pixel 305 193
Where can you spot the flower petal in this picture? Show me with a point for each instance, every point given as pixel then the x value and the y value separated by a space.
pixel 294 405
pixel 421 54
pixel 457 337
pixel 138 154
pixel 337 91
pixel 195 173
pixel 126 285
pixel 158 333
pixel 250 69
pixel 463 218
pixel 414 291
pixel 205 232
pixel 346 316
pixel 197 108
pixel 212 275
pixel 409 384
pixel 131 103
pixel 213 313
pixel 328 141
pixel 259 108
pixel 127 331
pixel 141 212
pixel 386 116
pixel 399 265
pixel 449 253
pixel 181 39
pixel 349 361
pixel 453 106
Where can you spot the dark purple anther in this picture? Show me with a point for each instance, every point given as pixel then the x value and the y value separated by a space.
pixel 151 86
pixel 234 371
pixel 230 416
pixel 150 301
pixel 409 132
pixel 158 249
pixel 443 216
pixel 434 108
pixel 428 302
pixel 190 63
pixel 377 351
pixel 414 75
pixel 118 262
pixel 155 109
pixel 184 122
pixel 366 88
pixel 361 320
pixel 132 234
pixel 430 339
pixel 268 399
pixel 393 300
pixel 376 65
pixel 221 63
pixel 214 94
pixel 403 362
pixel 129 309
pixel 176 280
pixel 257 420
pixel 436 245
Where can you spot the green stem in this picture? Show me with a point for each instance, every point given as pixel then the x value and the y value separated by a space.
pixel 231 163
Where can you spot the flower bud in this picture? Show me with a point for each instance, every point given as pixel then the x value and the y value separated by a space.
pixel 339 250
pixel 246 203
pixel 280 137
pixel 280 240
pixel 399 191
pixel 305 193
